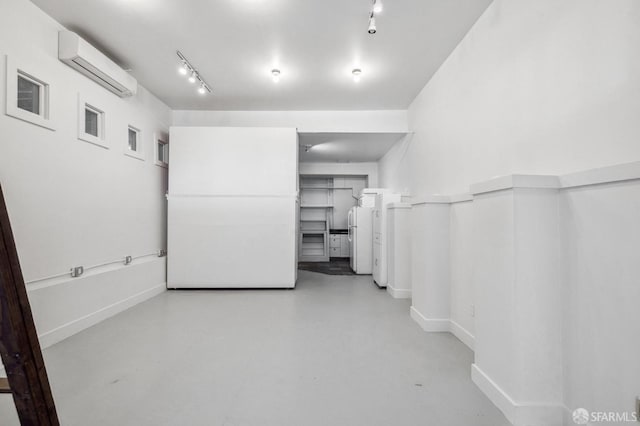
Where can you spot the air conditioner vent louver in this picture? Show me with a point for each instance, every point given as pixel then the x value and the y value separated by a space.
pixel 86 59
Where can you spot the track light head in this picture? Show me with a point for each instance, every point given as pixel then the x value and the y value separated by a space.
pixel 202 90
pixel 377 6
pixel 372 24
pixel 183 69
pixel 192 77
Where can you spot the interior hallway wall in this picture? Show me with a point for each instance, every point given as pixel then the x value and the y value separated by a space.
pixel 72 203
pixel 546 88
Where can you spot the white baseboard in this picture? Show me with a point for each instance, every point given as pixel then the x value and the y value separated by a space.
pixel 69 329
pixel 429 324
pixel 463 334
pixel 519 414
pixel 398 293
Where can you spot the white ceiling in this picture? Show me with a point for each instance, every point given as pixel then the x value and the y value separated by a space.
pixel 346 147
pixel 235 43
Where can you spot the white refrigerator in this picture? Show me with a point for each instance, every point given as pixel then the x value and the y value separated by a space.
pixel 380 237
pixel 360 243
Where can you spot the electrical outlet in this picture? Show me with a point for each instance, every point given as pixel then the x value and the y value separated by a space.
pixel 76 271
pixel 128 260
pixel 472 310
pixel 162 253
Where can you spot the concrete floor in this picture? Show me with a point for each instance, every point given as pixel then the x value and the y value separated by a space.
pixel 334 351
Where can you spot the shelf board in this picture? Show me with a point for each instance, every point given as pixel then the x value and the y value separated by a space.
pixel 313 231
pixel 317 206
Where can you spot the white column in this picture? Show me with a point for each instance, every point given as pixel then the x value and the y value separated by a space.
pixel 518 359
pixel 430 263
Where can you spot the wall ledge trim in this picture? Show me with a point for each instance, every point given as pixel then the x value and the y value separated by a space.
pixel 602 175
pixel 515 181
pixel 430 199
pixel 519 414
pixel 399 206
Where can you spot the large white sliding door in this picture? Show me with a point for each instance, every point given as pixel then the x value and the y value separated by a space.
pixel 232 207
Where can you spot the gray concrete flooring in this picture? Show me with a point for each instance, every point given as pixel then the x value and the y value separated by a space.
pixel 334 351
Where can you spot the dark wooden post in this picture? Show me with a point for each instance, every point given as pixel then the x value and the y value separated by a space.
pixel 19 345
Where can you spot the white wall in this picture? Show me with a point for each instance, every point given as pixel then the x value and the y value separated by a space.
pixel 601 323
pixel 544 88
pixel 305 121
pixel 72 203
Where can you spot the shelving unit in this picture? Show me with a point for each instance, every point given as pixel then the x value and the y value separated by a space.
pixel 316 202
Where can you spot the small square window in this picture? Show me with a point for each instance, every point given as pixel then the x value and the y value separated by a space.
pixel 134 143
pixel 91 119
pixel 162 152
pixel 29 93
pixel 133 140
pixel 28 98
pixel 91 123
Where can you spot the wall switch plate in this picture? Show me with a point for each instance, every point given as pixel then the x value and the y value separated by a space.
pixel 76 271
pixel 162 253
pixel 128 260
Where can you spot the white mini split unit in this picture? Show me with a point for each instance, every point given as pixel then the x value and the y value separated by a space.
pixel 86 59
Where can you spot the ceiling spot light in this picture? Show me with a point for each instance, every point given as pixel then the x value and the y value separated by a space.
pixel 372 24
pixel 275 73
pixel 183 69
pixel 192 78
pixel 377 6
pixel 202 90
pixel 357 72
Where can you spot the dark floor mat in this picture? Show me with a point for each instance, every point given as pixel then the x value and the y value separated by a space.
pixel 337 266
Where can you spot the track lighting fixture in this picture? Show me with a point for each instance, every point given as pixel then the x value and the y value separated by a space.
pixel 275 73
pixel 372 24
pixel 186 68
pixel 356 74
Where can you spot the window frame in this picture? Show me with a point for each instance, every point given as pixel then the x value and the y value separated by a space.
pixel 161 139
pixel 99 140
pixel 44 116
pixel 139 152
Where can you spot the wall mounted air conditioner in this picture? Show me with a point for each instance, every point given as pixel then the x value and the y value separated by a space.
pixel 78 54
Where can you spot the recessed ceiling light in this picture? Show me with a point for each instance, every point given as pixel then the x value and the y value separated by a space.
pixel 275 74
pixel 356 73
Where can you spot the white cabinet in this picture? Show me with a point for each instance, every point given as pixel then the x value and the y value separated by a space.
pixel 344 246
pixel 338 245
